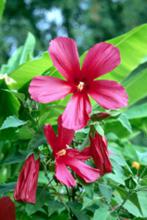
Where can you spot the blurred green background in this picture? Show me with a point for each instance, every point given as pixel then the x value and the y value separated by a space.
pixel 88 21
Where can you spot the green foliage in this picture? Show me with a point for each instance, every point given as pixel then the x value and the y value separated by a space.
pixel 118 195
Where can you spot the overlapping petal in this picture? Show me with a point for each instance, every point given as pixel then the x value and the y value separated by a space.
pixel 87 173
pixel 51 137
pixel 64 54
pixel 45 89
pixel 109 94
pixel 76 114
pixel 100 59
pixel 65 136
pixel 63 174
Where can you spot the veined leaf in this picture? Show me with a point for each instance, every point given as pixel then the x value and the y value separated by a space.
pixel 28 49
pixel 2 6
pixel 133 49
pixel 12 122
pixel 137 87
pixel 32 68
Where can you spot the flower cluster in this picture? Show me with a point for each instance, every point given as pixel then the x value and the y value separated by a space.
pixel 82 83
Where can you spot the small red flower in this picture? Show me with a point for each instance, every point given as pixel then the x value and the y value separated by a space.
pixel 7 209
pixel 99 152
pixel 100 59
pixel 27 181
pixel 65 157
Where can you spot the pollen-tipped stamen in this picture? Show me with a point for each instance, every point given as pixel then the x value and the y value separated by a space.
pixel 80 86
pixel 61 152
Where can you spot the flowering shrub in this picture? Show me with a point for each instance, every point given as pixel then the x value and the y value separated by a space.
pixel 69 132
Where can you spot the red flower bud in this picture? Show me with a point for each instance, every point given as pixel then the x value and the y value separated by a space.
pixel 27 181
pixel 7 209
pixel 100 154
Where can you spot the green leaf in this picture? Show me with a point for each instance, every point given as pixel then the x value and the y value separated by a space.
pixel 125 122
pixel 133 52
pixel 32 68
pixel 142 198
pixel 13 62
pixel 99 129
pixel 9 103
pixel 12 122
pixel 101 213
pixel 137 87
pixel 5 188
pixel 137 111
pixel 106 191
pixel 2 6
pixel 28 49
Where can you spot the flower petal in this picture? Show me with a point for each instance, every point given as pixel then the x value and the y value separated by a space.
pixel 64 54
pixel 51 137
pixel 63 174
pixel 87 173
pixel 76 114
pixel 80 155
pixel 65 136
pixel 100 59
pixel 109 94
pixel 46 89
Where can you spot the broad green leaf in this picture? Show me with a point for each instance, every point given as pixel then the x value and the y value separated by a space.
pixel 20 56
pixel 9 104
pixel 28 49
pixel 133 52
pixel 125 122
pixel 137 111
pixel 12 122
pixel 99 129
pixel 5 188
pixel 106 191
pixel 142 198
pixel 101 213
pixel 2 6
pixel 30 69
pixel 13 62
pixel 137 87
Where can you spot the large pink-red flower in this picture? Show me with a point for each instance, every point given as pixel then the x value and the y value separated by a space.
pixel 68 158
pixel 27 181
pixel 80 81
pixel 7 209
pixel 99 152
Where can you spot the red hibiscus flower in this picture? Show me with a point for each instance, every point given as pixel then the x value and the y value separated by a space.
pixel 65 157
pixel 99 152
pixel 27 181
pixel 100 59
pixel 7 209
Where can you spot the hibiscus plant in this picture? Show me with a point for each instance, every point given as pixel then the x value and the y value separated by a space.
pixel 72 131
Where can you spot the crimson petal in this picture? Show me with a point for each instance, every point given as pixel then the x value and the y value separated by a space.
pixel 65 136
pixel 51 137
pixel 64 54
pixel 76 114
pixel 109 94
pixel 87 173
pixel 100 59
pixel 63 174
pixel 45 89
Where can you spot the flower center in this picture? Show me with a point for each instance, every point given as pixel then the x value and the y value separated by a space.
pixel 80 86
pixel 61 152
